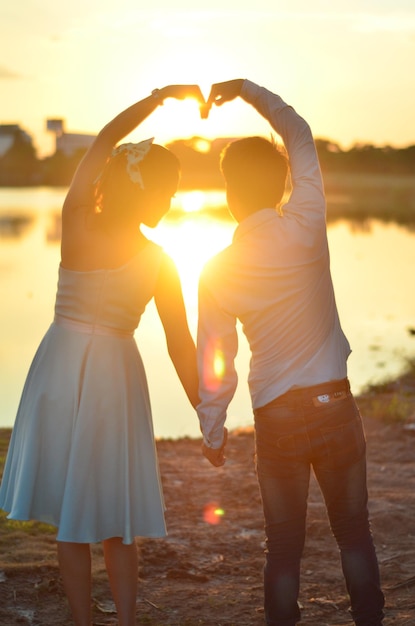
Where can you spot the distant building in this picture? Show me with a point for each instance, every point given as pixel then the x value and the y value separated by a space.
pixel 8 135
pixel 68 143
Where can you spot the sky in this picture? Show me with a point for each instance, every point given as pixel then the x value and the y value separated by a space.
pixel 346 66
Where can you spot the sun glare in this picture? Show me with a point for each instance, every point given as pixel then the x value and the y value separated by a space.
pixel 202 145
pixel 193 201
pixel 184 119
pixel 191 241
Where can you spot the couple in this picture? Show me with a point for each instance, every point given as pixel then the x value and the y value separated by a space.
pixel 82 455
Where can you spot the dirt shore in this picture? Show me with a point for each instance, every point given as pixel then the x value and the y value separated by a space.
pixel 208 571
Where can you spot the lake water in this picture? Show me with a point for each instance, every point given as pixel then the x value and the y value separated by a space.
pixel 372 267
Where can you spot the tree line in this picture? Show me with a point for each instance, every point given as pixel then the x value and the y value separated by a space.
pixel 20 165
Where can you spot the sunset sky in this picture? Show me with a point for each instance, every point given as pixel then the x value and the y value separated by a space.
pixel 346 66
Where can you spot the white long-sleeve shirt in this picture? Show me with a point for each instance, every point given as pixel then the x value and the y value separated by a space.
pixel 275 278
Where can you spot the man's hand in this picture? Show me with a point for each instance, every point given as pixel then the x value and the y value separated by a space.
pixel 221 93
pixel 216 456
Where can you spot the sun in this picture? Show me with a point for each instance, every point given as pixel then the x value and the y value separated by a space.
pixel 184 117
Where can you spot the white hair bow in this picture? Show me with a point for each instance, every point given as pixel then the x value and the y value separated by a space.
pixel 135 153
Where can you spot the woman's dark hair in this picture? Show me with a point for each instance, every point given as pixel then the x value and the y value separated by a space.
pixel 255 170
pixel 160 169
pixel 116 192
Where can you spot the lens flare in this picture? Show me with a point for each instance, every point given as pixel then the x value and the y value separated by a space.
pixel 213 513
pixel 214 366
pixel 219 364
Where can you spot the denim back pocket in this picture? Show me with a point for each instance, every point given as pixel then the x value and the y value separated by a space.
pixel 344 441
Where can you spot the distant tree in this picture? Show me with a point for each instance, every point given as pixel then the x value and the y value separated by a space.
pixel 404 160
pixel 59 168
pixel 199 159
pixel 366 159
pixel 19 165
pixel 330 154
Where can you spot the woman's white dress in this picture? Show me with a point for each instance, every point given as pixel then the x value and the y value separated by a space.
pixel 82 454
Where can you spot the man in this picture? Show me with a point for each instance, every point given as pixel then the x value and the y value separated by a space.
pixel 275 278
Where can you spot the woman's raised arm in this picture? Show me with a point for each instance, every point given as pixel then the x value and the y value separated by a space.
pixel 81 189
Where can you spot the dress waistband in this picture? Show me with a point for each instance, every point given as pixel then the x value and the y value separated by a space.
pixel 91 329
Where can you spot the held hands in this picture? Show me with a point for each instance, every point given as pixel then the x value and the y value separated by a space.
pixel 216 456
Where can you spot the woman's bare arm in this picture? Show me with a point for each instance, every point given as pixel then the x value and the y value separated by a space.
pixel 181 347
pixel 81 189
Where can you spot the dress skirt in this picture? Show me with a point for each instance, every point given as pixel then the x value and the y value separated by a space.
pixel 82 455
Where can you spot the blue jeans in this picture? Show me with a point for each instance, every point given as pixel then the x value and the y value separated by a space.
pixel 295 432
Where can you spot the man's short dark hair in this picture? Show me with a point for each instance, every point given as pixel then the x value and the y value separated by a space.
pixel 255 170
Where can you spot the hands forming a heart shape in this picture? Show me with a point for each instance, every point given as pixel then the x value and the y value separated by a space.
pixel 219 94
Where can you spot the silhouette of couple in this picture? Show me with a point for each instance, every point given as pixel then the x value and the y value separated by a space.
pixel 82 454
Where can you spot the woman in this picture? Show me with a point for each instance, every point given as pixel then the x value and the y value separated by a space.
pixel 82 455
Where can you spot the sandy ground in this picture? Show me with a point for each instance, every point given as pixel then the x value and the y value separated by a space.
pixel 208 571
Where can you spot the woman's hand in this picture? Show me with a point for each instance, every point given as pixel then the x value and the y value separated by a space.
pixel 180 92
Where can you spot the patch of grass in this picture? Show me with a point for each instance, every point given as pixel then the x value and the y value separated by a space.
pixel 391 410
pixel 393 400
pixel 7 526
pixel 30 527
pixel 405 383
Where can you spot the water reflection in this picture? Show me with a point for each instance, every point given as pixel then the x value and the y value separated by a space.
pixel 372 265
pixel 15 226
pixel 54 229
